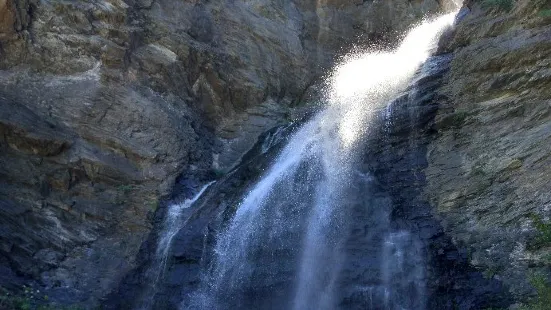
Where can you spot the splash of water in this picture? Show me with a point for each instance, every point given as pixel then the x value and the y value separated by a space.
pixel 364 82
pixel 290 224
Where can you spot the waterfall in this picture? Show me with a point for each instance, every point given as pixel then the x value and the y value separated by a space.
pixel 285 246
pixel 172 224
pixel 170 227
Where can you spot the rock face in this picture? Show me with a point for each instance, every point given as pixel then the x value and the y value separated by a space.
pixel 103 104
pixel 489 166
pixel 384 206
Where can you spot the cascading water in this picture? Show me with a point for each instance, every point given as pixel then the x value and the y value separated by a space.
pixel 171 225
pixel 285 246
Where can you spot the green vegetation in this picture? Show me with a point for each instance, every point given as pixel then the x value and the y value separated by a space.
pixel 543 238
pixel 29 299
pixel 542 300
pixel 125 189
pixel 547 258
pixel 545 13
pixel 122 193
pixel 505 5
pixel 219 172
pixel 454 120
pixel 153 204
pixel 21 302
pixel 514 164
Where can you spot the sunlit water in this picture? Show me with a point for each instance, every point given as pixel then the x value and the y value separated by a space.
pixel 290 225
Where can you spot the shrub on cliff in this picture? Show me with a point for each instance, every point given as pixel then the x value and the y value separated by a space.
pixel 505 5
pixel 542 301
pixel 545 13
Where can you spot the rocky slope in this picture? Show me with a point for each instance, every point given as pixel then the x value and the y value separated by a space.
pixel 103 104
pixel 489 174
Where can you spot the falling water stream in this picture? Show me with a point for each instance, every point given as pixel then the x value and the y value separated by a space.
pixel 286 239
pixel 172 223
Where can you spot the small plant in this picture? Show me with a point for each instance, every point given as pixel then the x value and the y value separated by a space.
pixel 544 232
pixel 125 188
pixel 505 5
pixel 545 13
pixel 219 172
pixel 27 299
pixel 547 259
pixel 478 171
pixel 153 204
pixel 9 300
pixel 289 117
pixel 122 193
pixel 542 300
pixel 454 120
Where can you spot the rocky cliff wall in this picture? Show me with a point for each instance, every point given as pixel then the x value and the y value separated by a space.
pixel 489 173
pixel 104 103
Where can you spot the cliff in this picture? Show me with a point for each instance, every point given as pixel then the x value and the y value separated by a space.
pixel 105 103
pixel 489 165
pixel 110 108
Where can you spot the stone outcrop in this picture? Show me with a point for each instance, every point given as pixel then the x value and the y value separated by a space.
pixel 103 104
pixel 489 165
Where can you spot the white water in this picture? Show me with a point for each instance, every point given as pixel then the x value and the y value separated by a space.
pixel 302 193
pixel 365 82
pixel 172 224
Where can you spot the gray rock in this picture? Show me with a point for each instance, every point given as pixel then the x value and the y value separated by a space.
pixel 489 167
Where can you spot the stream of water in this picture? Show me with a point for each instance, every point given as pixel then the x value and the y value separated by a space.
pixel 172 223
pixel 286 238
